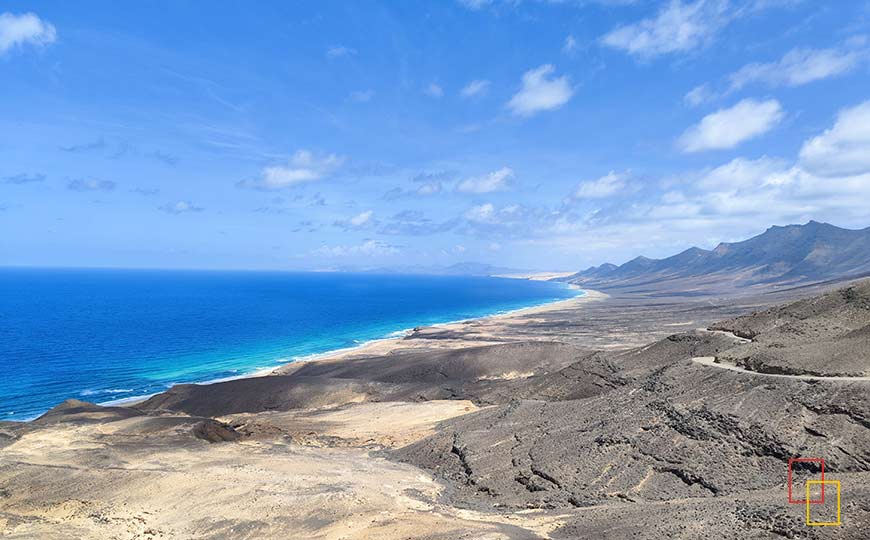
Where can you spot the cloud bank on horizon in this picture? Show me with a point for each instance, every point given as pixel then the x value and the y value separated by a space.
pixel 546 135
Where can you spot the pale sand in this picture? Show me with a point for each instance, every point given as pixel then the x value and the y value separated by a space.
pixel 474 332
pixel 122 481
pixel 313 473
pixel 537 276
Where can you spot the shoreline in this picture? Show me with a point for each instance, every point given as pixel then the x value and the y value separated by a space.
pixel 417 336
pixel 387 345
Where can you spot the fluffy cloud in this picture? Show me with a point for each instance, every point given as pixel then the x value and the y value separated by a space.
pixel 739 198
pixel 540 91
pixel 482 213
pixel 765 190
pixel 432 188
pixel 303 167
pixel 338 51
pixel 180 207
pixel 475 88
pixel 26 29
pixel 845 148
pixel 741 172
pixel 798 67
pixel 474 4
pixel 510 220
pixel 495 181
pixel 726 128
pixel 415 223
pixel 603 187
pixel 428 183
pixel 677 27
pixel 369 248
pixel 698 95
pixel 362 220
pixel 90 184
pixel 829 181
pixel 434 91
pixel 570 45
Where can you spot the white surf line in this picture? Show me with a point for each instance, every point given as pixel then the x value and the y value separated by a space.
pixel 710 361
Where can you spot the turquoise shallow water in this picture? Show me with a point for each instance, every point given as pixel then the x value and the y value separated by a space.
pixel 105 335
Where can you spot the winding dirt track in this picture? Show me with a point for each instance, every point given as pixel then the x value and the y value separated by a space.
pixel 710 361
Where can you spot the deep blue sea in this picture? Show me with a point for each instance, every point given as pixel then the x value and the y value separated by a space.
pixel 108 335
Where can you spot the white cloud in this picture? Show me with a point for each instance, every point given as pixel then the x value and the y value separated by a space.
pixel 180 207
pixel 361 219
pixel 338 51
pixel 698 95
pixel 91 184
pixel 475 88
pixel 433 90
pixel 429 188
pixel 798 67
pixel 362 96
pixel 733 201
pixel 482 213
pixel 540 92
pixel 26 29
pixel 677 27
pixel 475 4
pixel 726 128
pixel 845 148
pixel 741 172
pixel 603 187
pixel 510 219
pixel 369 248
pixel 570 45
pixel 303 167
pixel 495 181
pixel 829 182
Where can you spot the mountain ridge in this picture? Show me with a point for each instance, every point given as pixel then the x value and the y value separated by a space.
pixel 780 256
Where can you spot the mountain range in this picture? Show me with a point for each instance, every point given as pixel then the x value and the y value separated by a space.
pixel 786 256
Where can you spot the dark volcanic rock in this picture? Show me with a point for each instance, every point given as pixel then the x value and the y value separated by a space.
pixel 824 335
pixel 214 431
pixel 475 373
pixel 648 425
pixel 73 410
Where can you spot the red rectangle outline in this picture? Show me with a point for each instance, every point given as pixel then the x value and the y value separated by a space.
pixel 821 461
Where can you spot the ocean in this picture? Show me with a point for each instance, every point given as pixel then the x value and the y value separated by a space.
pixel 112 335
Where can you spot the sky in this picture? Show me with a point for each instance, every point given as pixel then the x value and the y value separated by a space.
pixel 531 134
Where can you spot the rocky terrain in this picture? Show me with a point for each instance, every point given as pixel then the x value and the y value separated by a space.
pixel 825 335
pixel 625 417
pixel 781 257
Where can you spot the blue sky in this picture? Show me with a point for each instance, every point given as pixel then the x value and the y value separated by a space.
pixel 322 135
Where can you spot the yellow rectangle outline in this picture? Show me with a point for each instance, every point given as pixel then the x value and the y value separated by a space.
pixel 812 523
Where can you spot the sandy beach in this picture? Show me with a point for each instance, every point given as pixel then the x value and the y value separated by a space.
pixel 491 329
